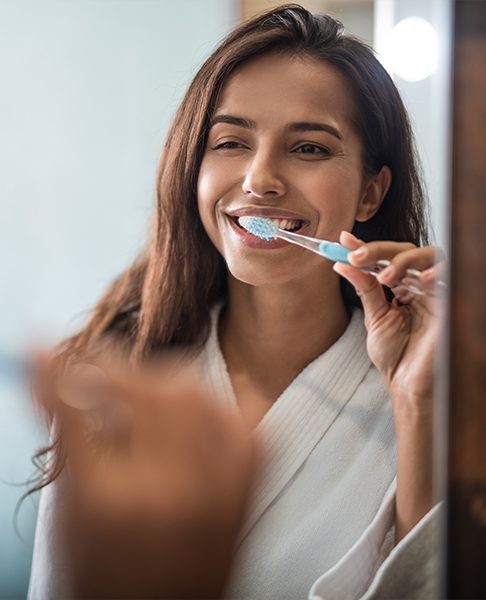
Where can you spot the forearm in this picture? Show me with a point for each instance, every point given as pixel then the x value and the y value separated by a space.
pixel 414 468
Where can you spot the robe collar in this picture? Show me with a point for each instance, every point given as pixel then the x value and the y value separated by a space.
pixel 301 415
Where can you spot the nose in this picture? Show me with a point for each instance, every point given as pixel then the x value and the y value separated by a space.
pixel 263 178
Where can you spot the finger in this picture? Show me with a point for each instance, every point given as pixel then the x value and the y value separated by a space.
pixel 84 386
pixel 348 240
pixel 48 392
pixel 121 395
pixel 435 275
pixel 403 296
pixel 409 264
pixel 375 304
pixel 374 251
pixel 371 252
pixel 415 259
pixel 42 381
pixel 170 412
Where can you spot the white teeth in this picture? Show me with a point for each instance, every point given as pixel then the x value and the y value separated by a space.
pixel 285 223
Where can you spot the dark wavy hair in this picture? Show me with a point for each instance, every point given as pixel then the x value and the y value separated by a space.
pixel 164 298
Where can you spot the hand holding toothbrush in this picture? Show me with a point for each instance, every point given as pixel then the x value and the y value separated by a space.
pixel 403 335
pixel 403 338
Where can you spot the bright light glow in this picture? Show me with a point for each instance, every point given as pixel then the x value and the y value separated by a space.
pixel 412 49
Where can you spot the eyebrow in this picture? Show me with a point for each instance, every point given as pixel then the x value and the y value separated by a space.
pixel 299 126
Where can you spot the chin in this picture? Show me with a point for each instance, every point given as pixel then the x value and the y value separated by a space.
pixel 254 274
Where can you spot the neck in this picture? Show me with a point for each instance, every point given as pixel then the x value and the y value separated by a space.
pixel 270 333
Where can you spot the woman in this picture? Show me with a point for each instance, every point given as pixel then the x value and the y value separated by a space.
pixel 293 120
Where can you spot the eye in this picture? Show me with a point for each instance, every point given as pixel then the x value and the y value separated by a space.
pixel 312 149
pixel 227 146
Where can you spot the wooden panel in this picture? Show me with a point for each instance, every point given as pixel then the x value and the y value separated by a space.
pixel 356 15
pixel 466 521
pixel 248 8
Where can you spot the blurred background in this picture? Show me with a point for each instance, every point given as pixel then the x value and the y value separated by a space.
pixel 89 88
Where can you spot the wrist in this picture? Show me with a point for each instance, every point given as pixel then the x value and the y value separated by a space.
pixel 411 407
pixel 413 429
pixel 414 434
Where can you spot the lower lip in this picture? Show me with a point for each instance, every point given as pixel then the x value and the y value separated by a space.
pixel 252 241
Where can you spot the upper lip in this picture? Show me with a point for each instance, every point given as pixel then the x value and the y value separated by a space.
pixel 267 212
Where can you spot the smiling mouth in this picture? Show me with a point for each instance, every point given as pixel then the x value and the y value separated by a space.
pixel 286 224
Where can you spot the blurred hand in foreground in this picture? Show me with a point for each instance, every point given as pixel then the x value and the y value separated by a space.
pixel 159 478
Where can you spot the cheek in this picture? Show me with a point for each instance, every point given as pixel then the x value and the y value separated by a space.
pixel 334 195
pixel 205 193
pixel 337 213
pixel 207 197
pixel 212 184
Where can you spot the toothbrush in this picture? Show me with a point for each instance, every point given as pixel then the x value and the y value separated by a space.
pixel 266 229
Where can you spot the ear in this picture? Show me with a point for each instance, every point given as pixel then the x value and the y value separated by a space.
pixel 375 189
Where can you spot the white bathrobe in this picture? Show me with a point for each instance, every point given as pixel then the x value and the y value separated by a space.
pixel 321 522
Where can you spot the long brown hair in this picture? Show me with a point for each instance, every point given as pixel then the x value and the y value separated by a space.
pixel 164 298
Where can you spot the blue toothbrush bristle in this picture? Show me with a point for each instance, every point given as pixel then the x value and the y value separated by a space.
pixel 260 227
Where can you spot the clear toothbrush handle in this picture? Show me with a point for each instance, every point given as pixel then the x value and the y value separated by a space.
pixel 411 281
pixel 338 253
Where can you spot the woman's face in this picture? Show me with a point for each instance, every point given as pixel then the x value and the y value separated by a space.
pixel 280 145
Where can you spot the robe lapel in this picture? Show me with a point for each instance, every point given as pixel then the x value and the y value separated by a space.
pixel 302 414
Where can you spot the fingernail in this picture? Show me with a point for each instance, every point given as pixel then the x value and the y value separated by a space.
pixel 337 268
pixel 350 233
pixel 387 273
pixel 360 252
pixel 427 275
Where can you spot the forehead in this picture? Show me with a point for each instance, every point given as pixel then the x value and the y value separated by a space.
pixel 280 87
